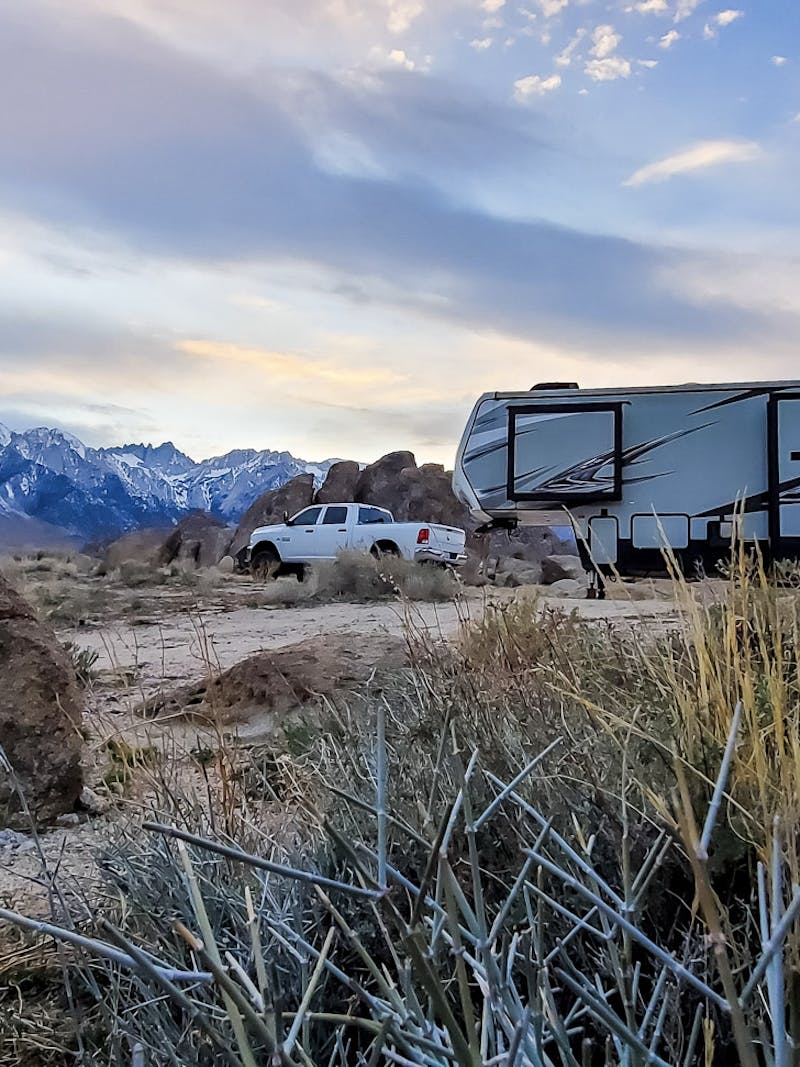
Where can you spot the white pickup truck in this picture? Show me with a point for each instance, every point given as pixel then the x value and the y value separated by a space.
pixel 323 530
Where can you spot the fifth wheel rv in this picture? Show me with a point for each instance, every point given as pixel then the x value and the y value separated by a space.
pixel 640 469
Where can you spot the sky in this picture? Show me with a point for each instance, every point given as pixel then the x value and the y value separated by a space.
pixel 328 225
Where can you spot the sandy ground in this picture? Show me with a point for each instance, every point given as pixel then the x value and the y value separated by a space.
pixel 168 645
pixel 184 646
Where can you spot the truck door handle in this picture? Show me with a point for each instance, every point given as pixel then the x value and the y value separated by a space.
pixel 343 529
pixel 795 456
pixel 309 531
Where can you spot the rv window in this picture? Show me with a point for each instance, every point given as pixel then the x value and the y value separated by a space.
pixel 565 452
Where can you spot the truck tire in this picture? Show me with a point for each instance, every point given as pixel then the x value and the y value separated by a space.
pixel 264 564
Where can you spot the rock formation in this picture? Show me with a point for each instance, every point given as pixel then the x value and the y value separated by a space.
pixel 269 508
pixel 40 717
pixel 340 484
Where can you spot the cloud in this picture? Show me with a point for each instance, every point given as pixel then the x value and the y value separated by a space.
pixel 684 9
pixel 534 85
pixel 724 18
pixel 605 41
pixel 564 58
pixel 649 7
pixel 650 64
pixel 550 8
pixel 285 365
pixel 398 56
pixel 492 6
pixel 481 44
pixel 779 60
pixel 696 157
pixel 669 39
pixel 607 70
pixel 402 13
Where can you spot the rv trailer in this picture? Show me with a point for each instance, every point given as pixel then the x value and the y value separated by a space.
pixel 640 469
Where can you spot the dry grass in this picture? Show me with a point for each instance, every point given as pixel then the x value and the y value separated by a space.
pixel 360 577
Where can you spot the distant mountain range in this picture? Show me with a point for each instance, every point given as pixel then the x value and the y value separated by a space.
pixel 53 487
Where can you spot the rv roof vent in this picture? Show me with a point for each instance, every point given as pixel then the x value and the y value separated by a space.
pixel 554 385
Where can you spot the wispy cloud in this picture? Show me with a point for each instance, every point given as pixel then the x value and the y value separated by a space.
pixel 685 8
pixel 719 21
pixel 549 8
pixel 535 85
pixel 285 365
pixel 564 57
pixel 669 39
pixel 699 156
pixel 779 60
pixel 480 44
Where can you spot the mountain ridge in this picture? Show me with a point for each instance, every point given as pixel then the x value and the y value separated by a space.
pixel 93 494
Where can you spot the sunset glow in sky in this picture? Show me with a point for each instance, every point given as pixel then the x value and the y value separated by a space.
pixel 328 225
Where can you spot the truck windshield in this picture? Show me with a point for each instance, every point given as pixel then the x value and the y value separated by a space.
pixel 368 516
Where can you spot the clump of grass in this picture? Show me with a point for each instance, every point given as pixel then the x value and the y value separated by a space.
pixel 83 662
pixel 360 577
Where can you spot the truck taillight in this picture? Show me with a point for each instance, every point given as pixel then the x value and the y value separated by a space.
pixel 424 536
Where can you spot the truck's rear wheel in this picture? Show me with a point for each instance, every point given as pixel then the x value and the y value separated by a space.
pixel 264 564
pixel 384 550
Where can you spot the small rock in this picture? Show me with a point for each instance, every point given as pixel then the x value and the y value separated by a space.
pixel 226 565
pixel 567 587
pixel 93 802
pixel 13 839
pixel 70 818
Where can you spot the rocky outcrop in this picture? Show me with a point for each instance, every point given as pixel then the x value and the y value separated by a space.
pixel 341 483
pixel 379 482
pixel 269 508
pixel 40 717
pixel 199 539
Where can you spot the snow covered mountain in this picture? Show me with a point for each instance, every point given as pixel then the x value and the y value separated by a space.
pixel 92 494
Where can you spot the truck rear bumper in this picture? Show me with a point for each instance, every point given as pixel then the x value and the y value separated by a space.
pixel 435 555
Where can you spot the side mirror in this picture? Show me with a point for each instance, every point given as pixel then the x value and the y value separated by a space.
pixel 286 520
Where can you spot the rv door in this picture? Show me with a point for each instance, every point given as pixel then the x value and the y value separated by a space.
pixel 568 452
pixel 784 425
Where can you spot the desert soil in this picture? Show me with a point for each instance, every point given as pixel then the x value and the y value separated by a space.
pixel 166 646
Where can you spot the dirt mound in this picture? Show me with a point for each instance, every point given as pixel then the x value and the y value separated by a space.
pixel 270 685
pixel 270 506
pixel 40 716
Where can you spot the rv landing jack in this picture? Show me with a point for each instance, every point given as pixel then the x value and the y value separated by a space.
pixel 597 586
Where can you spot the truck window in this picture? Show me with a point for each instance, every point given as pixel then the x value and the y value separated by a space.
pixel 334 516
pixel 368 516
pixel 307 518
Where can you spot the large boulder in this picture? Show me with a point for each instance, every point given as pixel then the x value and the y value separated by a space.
pixel 139 546
pixel 379 482
pixel 426 495
pixel 269 508
pixel 40 717
pixel 340 483
pixel 558 567
pixel 199 539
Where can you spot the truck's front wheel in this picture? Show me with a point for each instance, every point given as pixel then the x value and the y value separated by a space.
pixel 264 564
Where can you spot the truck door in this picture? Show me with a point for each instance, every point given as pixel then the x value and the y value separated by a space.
pixel 784 470
pixel 332 533
pixel 303 536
